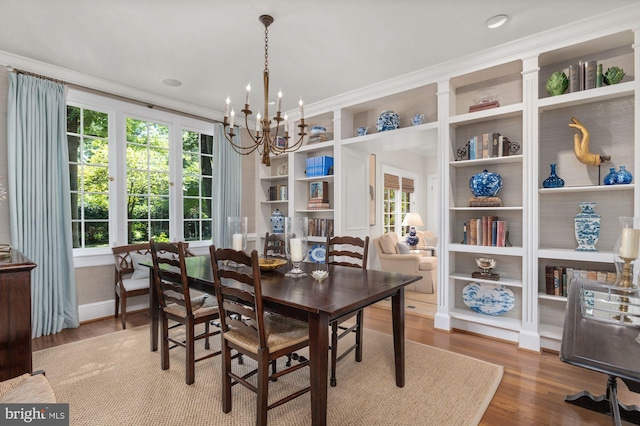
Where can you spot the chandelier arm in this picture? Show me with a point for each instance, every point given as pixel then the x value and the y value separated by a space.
pixel 238 148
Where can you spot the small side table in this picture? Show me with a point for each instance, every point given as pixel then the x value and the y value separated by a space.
pixel 607 347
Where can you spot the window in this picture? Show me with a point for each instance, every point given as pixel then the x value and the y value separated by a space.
pixel 397 198
pixel 197 185
pixel 136 173
pixel 88 141
pixel 147 181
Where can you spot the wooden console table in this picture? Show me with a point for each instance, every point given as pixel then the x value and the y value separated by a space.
pixel 607 347
pixel 15 315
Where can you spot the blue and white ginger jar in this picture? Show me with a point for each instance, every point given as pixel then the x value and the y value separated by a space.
pixel 485 184
pixel 388 120
pixel 587 227
pixel 623 176
pixel 277 222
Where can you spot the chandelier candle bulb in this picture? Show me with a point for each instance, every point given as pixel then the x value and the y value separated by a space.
pixel 286 123
pixel 258 124
pixel 246 99
pixel 629 244
pixel 279 101
pixel 233 114
pixel 236 242
pixel 296 249
pixel 301 110
pixel 226 107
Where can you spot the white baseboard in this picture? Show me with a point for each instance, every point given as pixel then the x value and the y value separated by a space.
pixel 105 308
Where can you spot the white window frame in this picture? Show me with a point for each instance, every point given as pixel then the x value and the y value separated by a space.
pixel 398 201
pixel 118 110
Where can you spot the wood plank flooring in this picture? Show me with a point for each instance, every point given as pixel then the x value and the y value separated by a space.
pixel 533 386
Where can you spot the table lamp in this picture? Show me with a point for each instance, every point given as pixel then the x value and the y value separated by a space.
pixel 412 220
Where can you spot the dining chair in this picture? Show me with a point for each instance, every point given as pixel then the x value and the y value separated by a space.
pixel 176 304
pixel 249 330
pixel 131 279
pixel 274 245
pixel 351 252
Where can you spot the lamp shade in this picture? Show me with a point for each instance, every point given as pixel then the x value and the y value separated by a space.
pixel 412 219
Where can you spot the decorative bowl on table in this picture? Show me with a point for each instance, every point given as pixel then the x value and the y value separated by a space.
pixel 319 275
pixel 271 263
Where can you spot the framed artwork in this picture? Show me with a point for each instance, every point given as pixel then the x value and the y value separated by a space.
pixel 372 189
pixel 319 191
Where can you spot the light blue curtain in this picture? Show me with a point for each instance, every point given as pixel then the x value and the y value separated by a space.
pixel 227 174
pixel 39 198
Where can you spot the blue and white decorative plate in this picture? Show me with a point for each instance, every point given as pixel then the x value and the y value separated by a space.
pixel 488 299
pixel 317 253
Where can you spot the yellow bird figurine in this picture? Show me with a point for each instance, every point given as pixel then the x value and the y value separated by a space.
pixel 581 146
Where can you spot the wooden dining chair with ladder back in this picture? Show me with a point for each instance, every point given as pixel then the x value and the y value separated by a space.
pixel 177 305
pixel 351 252
pixel 249 330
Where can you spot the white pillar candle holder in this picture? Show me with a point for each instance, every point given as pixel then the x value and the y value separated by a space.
pixel 296 244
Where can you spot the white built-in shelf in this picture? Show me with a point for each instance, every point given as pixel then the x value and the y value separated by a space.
pixel 305 179
pixel 316 239
pixel 587 96
pixel 313 211
pixel 274 178
pixel 587 188
pixel 512 208
pixel 512 110
pixel 561 299
pixel 494 321
pixel 502 281
pixel 316 146
pixel 550 332
pixel 570 254
pixel 483 161
pixel 468 248
pixel 275 202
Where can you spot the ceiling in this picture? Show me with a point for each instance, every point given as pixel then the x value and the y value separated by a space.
pixel 317 48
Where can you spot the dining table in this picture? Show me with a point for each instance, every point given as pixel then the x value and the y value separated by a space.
pixel 344 291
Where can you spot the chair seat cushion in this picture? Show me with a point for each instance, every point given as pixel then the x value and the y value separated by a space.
pixel 200 306
pixel 282 332
pixel 131 284
pixel 27 389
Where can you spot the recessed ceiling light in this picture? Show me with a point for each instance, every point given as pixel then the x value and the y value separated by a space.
pixel 497 21
pixel 172 82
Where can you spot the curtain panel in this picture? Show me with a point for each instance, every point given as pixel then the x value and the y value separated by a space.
pixel 39 198
pixel 227 186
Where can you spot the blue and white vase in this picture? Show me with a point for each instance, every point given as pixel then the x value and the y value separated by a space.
pixel 277 222
pixel 611 178
pixel 388 120
pixel 553 181
pixel 623 176
pixel 485 184
pixel 587 227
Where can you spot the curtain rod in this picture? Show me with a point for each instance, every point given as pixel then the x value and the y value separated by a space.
pixel 112 95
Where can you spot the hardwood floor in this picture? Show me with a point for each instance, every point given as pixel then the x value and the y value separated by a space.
pixel 533 386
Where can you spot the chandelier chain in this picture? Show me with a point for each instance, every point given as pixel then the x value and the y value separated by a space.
pixel 266 49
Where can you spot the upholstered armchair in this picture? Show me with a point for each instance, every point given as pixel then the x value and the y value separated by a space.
pixel 396 257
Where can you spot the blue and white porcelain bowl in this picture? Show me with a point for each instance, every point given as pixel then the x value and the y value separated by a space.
pixel 388 120
pixel 488 299
pixel 316 130
pixel 485 184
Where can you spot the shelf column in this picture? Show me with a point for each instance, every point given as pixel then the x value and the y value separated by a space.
pixel 529 337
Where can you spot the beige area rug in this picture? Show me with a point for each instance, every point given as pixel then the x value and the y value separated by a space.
pixel 115 380
pixel 415 303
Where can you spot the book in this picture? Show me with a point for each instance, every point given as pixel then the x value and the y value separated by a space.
pixel 548 278
pixel 501 233
pixel 483 106
pixel 283 194
pixel 473 232
pixel 472 149
pixel 485 202
pixel 464 233
pixel 590 68
pixel 556 282
pixel 574 78
pixel 486 152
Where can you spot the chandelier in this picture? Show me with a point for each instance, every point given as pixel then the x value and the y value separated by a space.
pixel 262 139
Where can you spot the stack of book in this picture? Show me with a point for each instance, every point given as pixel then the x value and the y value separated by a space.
pixel 488 145
pixel 484 105
pixel 319 166
pixel 485 202
pixel 318 195
pixel 320 227
pixel 485 231
pixel 558 278
pixel 320 137
pixel 585 75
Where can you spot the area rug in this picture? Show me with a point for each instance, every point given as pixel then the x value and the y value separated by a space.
pixel 116 380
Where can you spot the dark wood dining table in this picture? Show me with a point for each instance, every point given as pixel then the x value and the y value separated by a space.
pixel 345 290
